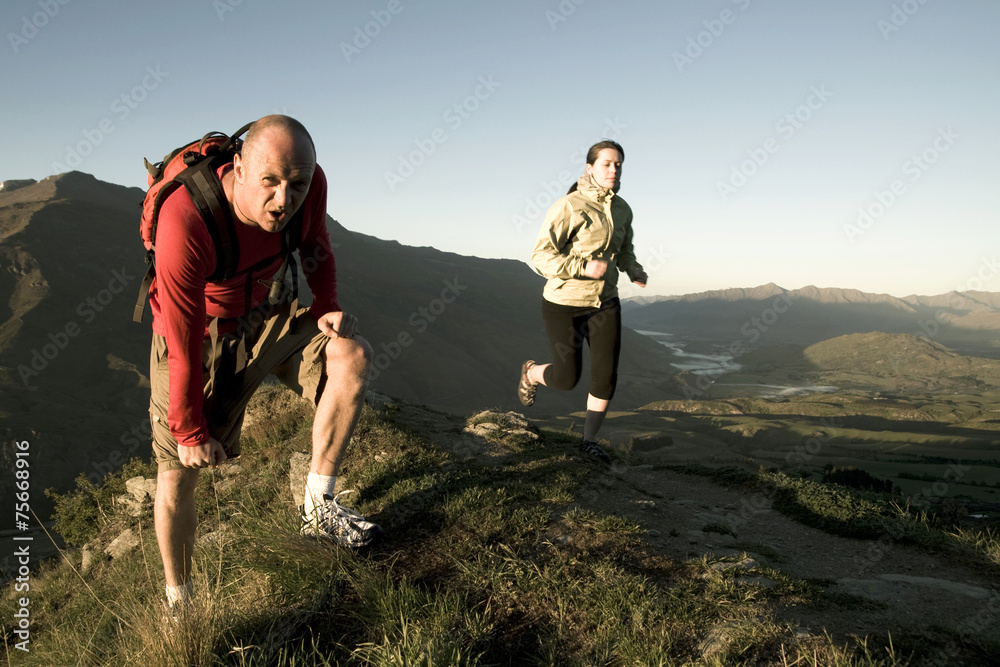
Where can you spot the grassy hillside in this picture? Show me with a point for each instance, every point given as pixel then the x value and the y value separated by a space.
pixel 502 548
pixel 863 362
pixel 904 361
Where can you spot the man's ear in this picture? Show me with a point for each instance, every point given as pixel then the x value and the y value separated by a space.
pixel 239 170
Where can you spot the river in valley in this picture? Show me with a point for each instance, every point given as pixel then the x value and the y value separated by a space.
pixel 717 365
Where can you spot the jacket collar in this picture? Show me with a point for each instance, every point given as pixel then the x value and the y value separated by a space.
pixel 586 186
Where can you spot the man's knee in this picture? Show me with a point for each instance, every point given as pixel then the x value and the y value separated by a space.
pixel 175 486
pixel 348 355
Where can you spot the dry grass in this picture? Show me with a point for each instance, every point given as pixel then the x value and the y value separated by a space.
pixel 481 565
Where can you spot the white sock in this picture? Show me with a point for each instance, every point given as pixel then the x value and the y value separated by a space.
pixel 179 594
pixel 316 487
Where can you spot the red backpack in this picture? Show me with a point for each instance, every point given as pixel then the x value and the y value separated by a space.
pixel 195 167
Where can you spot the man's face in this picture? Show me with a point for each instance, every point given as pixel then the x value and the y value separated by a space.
pixel 273 179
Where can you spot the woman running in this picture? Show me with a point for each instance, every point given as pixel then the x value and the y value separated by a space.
pixel 585 241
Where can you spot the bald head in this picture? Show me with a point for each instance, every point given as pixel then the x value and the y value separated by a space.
pixel 278 128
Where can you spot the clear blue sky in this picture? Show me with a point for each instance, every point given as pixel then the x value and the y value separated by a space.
pixel 754 131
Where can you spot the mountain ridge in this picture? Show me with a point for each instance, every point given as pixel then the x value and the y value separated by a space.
pixel 969 321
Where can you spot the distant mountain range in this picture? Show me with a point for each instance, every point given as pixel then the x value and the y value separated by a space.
pixel 769 314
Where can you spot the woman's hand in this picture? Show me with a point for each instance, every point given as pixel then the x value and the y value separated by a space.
pixel 595 269
pixel 640 279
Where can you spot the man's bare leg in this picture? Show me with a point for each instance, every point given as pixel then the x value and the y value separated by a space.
pixel 339 407
pixel 337 414
pixel 176 519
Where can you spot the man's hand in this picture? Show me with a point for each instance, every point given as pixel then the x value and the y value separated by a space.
pixel 640 279
pixel 338 325
pixel 595 268
pixel 209 453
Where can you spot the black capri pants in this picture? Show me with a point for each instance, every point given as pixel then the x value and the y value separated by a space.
pixel 568 327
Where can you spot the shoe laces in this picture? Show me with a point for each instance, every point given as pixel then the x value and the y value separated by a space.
pixel 329 508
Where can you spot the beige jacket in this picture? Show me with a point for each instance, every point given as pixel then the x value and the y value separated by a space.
pixel 590 223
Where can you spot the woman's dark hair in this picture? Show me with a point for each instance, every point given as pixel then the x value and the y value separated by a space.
pixel 600 146
pixel 597 148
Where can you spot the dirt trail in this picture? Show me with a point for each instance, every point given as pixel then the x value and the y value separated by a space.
pixel 913 587
pixel 885 585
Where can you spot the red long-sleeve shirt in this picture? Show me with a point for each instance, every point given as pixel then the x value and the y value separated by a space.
pixel 183 302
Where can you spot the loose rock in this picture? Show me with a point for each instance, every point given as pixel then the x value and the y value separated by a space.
pixel 121 545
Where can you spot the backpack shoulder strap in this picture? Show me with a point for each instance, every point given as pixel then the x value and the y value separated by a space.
pixel 293 232
pixel 209 198
pixel 147 282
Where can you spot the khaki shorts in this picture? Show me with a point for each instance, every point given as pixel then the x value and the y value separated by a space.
pixel 291 348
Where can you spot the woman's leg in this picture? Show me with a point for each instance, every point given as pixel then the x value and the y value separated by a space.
pixel 566 343
pixel 604 338
pixel 596 409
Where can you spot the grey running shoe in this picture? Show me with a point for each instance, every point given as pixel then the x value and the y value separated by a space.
pixel 332 521
pixel 526 388
pixel 593 449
